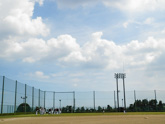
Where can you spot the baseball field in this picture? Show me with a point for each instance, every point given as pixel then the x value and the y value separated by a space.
pixel 86 118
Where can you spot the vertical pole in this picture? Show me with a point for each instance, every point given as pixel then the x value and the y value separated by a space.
pixel 135 98
pixel 74 101
pixel 44 98
pixel 124 92
pixel 60 103
pixel 155 100
pixel 25 98
pixel 117 92
pixel 3 83
pixel 94 100
pixel 32 99
pixel 15 97
pixel 39 98
pixel 53 100
pixel 114 100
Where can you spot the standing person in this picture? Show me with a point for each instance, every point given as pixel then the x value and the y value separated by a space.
pixel 40 111
pixel 56 111
pixel 52 111
pixel 44 110
pixel 37 110
pixel 59 111
pixel 103 110
pixel 124 111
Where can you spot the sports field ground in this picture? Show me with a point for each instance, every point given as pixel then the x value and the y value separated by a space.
pixel 93 118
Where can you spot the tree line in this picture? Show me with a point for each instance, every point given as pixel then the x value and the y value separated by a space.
pixel 138 106
pixel 147 105
pixel 69 109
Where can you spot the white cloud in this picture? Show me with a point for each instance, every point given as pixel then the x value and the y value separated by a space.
pixel 149 21
pixel 74 57
pixel 16 18
pixel 30 51
pixel 75 3
pixel 129 6
pixel 163 31
pixel 38 49
pixel 39 1
pixel 40 74
pixel 97 53
pixel 125 24
pixel 29 60
pixel 106 54
pixel 33 50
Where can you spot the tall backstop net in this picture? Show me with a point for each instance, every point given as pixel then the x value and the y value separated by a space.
pixel 16 97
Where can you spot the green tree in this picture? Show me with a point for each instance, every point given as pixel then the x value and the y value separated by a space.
pixel 82 109
pixel 145 105
pixel 109 108
pixel 78 110
pixel 152 104
pixel 99 109
pixel 160 106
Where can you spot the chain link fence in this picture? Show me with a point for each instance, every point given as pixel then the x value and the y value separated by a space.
pixel 20 98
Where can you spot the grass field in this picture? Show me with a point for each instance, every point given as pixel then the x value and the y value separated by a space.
pixel 87 118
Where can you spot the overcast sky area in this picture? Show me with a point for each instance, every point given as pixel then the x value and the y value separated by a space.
pixel 78 45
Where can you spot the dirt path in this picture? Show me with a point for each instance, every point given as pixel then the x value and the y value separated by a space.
pixel 120 119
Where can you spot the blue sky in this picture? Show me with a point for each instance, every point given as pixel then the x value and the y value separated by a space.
pixel 78 45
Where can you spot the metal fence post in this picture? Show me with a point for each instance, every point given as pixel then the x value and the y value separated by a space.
pixel 2 94
pixel 39 98
pixel 53 100
pixel 155 100
pixel 117 94
pixel 74 101
pixel 44 98
pixel 25 98
pixel 135 98
pixel 32 99
pixel 94 100
pixel 15 103
pixel 125 106
pixel 114 101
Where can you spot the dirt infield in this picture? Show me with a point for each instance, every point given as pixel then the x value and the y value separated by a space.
pixel 105 119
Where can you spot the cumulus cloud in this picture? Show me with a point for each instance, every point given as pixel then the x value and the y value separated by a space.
pixel 38 75
pixel 129 6
pixel 16 18
pixel 75 3
pixel 35 49
pixel 97 53
pixel 39 1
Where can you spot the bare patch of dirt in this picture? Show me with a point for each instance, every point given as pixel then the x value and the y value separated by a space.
pixel 119 119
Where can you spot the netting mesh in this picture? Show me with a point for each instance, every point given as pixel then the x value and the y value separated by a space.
pixel 18 97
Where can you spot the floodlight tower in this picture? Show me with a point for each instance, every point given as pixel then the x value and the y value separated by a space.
pixel 120 76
